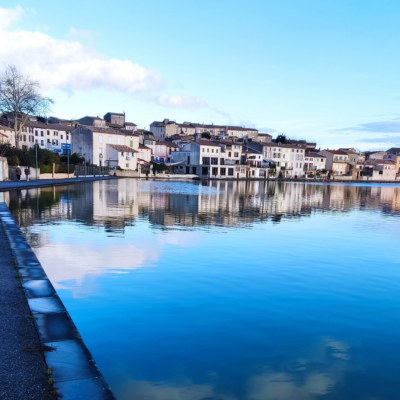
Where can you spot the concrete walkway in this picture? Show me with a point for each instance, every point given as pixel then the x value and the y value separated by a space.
pixel 22 365
pixel 37 332
pixel 11 185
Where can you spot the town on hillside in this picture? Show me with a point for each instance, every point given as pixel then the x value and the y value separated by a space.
pixel 205 151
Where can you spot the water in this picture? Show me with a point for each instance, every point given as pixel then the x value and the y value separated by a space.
pixel 227 290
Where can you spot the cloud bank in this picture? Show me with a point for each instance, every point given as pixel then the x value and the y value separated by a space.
pixel 70 65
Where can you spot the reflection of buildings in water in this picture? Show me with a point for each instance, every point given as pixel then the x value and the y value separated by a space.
pixel 117 203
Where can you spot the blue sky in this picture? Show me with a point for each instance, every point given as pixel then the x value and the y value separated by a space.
pixel 321 70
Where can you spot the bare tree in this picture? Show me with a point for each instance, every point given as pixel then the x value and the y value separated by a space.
pixel 20 96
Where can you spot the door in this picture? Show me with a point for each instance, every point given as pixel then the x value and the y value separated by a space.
pixel 187 170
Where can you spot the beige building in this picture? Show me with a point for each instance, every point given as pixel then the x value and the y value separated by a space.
pixel 314 162
pixel 379 170
pixel 336 161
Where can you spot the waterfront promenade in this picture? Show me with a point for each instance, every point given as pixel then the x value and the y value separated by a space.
pixel 11 185
pixel 41 351
pixel 23 370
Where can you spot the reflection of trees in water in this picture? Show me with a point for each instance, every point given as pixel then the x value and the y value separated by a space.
pixel 117 204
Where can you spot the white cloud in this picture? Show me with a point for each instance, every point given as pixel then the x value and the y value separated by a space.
pixel 181 101
pixel 9 15
pixel 69 65
pixel 86 36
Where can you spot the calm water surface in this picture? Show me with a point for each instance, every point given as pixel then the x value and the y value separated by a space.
pixel 227 290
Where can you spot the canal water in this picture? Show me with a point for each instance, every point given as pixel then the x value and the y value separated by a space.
pixel 227 290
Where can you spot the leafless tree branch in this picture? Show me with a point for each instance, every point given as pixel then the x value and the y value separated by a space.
pixel 20 96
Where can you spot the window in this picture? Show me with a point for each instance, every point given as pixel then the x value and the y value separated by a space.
pixel 208 150
pixel 42 142
pixel 236 155
pixel 100 138
pixel 230 171
pixel 36 133
pixel 222 161
pixel 48 141
pixel 206 160
pixel 122 153
pixel 204 170
pixel 215 171
pixel 214 161
pixel 55 133
pixel 127 165
pixel 222 171
pixel 229 154
pixel 41 133
pixel 216 150
pixel 212 150
pixel 242 171
pixel 203 149
pixel 62 137
pixel 131 143
pixel 67 137
pixel 24 138
pixel 109 139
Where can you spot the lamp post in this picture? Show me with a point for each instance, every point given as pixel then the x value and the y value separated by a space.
pixel 36 161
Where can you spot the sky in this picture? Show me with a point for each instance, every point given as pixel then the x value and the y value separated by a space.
pixel 325 71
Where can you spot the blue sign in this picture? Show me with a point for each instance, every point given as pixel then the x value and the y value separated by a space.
pixel 66 146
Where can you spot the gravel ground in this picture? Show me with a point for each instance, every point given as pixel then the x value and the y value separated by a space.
pixel 22 373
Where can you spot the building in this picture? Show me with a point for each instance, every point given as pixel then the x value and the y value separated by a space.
pixel 336 161
pixel 120 156
pixel 314 162
pixel 379 170
pixel 92 121
pixel 166 129
pixel 264 137
pixel 287 158
pixel 117 120
pixel 393 154
pixel 162 151
pixel 211 159
pixel 91 141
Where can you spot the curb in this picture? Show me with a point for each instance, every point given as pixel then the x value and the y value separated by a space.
pixel 74 371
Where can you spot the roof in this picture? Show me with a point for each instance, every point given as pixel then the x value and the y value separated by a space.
pixel 88 116
pixel 130 124
pixel 264 134
pixel 382 161
pixel 4 125
pixel 56 127
pixel 121 148
pixel 169 144
pixel 314 155
pixel 142 146
pixel 109 130
pixel 207 143
pixel 337 152
pixel 111 113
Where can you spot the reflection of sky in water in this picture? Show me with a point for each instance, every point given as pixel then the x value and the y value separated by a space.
pixel 261 293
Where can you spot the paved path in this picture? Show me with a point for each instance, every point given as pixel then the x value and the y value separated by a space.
pixel 10 185
pixel 22 373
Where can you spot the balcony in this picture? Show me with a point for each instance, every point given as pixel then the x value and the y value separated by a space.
pixel 230 162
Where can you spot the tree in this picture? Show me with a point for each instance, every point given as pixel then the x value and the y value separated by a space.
pixel 20 96
pixel 280 139
pixel 206 135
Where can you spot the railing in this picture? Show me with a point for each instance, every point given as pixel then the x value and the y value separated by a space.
pixel 91 170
